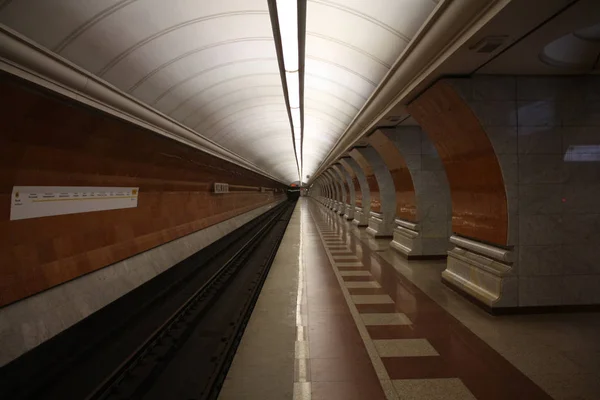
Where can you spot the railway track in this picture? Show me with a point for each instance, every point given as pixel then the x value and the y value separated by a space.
pixel 183 353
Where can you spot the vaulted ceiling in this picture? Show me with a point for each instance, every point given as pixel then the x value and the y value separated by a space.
pixel 212 64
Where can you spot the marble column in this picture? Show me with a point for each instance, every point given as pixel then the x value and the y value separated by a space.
pixel 362 194
pixel 316 191
pixel 334 190
pixel 328 190
pixel 383 193
pixel 350 191
pixel 343 189
pixel 424 207
pixel 482 263
pixel 324 191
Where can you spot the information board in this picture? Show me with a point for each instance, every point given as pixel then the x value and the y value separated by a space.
pixel 43 201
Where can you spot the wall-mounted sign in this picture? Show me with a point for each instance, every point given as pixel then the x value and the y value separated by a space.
pixel 221 188
pixel 43 201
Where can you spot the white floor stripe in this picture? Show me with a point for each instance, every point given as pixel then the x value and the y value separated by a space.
pixel 382 374
pixel 355 273
pixel 360 285
pixel 372 299
pixel 348 264
pixel 344 257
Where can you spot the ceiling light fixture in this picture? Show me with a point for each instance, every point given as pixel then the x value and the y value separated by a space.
pixel 287 16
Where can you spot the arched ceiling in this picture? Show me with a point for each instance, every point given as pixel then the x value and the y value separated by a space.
pixel 350 47
pixel 212 64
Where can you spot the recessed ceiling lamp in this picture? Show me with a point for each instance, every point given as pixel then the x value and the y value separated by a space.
pixel 577 52
pixel 287 16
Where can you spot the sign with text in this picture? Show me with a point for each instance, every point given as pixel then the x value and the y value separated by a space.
pixel 44 201
pixel 221 188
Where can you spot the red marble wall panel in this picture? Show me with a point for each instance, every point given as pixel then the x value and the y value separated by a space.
pixel 46 140
pixel 371 179
pixel 479 208
pixel 406 203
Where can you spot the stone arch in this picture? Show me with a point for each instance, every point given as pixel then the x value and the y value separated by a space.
pixel 314 190
pixel 327 186
pixel 423 206
pixel 381 186
pixel 479 204
pixel 323 191
pixel 343 189
pixel 362 194
pixel 481 263
pixel 334 189
pixel 406 203
pixel 349 187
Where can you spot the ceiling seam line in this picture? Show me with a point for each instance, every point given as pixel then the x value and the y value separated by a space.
pixel 193 52
pixel 213 86
pixel 343 68
pixel 248 108
pixel 214 68
pixel 339 84
pixel 364 16
pixel 208 102
pixel 334 96
pixel 81 29
pixel 247 117
pixel 143 42
pixel 206 117
pixel 348 45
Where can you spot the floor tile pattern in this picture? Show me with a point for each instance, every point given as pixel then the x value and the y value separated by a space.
pixel 417 349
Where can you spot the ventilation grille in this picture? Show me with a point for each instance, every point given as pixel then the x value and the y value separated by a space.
pixel 488 44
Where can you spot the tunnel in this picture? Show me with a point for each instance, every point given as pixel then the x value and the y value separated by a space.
pixel 300 199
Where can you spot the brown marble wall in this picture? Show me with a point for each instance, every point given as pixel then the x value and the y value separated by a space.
pixel 406 203
pixel 46 140
pixel 479 207
pixel 371 179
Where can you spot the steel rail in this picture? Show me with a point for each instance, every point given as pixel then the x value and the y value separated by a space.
pixel 103 390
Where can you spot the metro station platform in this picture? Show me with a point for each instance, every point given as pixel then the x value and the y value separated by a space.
pixel 341 316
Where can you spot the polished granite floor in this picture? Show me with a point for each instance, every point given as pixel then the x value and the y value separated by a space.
pixel 342 316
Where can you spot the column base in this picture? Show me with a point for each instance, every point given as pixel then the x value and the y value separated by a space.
pixel 360 218
pixel 406 236
pixel 349 212
pixel 377 227
pixel 483 272
pixel 410 243
pixel 341 208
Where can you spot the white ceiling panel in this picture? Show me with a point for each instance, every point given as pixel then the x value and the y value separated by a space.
pixel 350 46
pixel 253 69
pixel 31 16
pixel 212 65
